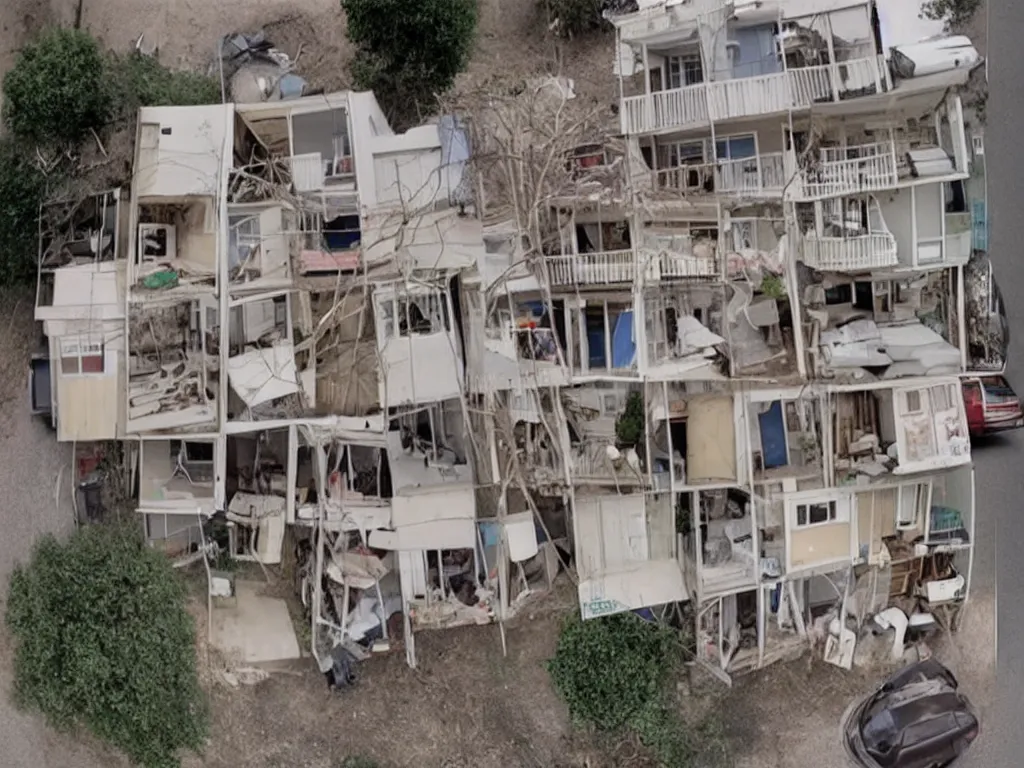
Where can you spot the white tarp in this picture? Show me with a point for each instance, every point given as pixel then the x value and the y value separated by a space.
pixel 262 375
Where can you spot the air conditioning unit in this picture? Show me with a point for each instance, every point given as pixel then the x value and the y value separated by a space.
pixel 157 241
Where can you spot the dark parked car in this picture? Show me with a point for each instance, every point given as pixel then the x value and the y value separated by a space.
pixel 917 719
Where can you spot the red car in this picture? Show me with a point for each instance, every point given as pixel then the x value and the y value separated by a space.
pixel 992 405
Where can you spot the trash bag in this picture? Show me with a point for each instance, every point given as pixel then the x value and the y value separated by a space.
pixel 342 673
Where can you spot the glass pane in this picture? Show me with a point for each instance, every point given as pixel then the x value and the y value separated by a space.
pixel 801 514
pixel 69 365
pixel 820 513
pixel 92 364
pixel 741 147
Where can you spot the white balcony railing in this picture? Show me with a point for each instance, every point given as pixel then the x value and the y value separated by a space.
pixel 616 267
pixel 846 254
pixel 683 265
pixel 745 96
pixel 601 268
pixel 691 178
pixel 760 176
pixel 752 96
pixel 849 170
pixel 665 109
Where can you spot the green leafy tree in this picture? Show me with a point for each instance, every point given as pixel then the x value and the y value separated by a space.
pixel 956 14
pixel 103 639
pixel 22 189
pixel 55 91
pixel 573 18
pixel 409 51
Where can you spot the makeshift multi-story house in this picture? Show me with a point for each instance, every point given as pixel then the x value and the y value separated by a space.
pixel 270 326
pixel 825 176
pixel 713 359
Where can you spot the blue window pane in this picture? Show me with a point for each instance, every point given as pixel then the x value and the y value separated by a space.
pixel 736 148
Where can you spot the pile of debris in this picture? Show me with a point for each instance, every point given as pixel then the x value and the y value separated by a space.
pixel 253 70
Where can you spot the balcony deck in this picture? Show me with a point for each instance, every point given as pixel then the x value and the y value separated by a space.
pixel 762 176
pixel 620 267
pixel 839 171
pixel 850 254
pixel 701 103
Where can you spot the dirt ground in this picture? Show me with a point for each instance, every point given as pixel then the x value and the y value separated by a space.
pixel 465 705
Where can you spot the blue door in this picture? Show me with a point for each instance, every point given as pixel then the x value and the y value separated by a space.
pixel 774 451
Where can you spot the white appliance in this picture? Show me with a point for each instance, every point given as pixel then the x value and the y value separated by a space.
pixel 933 56
pixel 157 241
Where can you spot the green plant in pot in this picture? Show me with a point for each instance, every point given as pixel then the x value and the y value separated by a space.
pixel 629 427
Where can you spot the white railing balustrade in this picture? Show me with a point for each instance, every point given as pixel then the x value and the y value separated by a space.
pixel 849 170
pixel 601 268
pixel 739 97
pixel 760 176
pixel 844 254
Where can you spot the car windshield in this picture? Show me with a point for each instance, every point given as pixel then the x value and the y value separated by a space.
pixel 879 730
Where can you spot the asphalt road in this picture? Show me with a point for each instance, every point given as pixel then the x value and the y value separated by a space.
pixel 1000 463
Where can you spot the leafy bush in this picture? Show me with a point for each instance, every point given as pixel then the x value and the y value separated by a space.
pixel 572 18
pixel 55 90
pixel 408 51
pixel 956 14
pixel 613 673
pixel 629 427
pixel 141 81
pixel 22 188
pixel 609 670
pixel 103 639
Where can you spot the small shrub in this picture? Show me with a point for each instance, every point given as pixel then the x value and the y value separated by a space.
pixel 572 18
pixel 613 673
pixel 142 81
pixel 55 92
pixel 103 639
pixel 629 427
pixel 22 189
pixel 409 51
pixel 609 669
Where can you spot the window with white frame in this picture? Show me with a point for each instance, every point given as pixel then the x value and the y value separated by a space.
pixel 685 70
pixel 942 398
pixel 913 502
pixel 243 239
pixel 415 315
pixel 740 147
pixel 81 357
pixel 912 402
pixel 978 145
pixel 744 234
pixel 810 513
